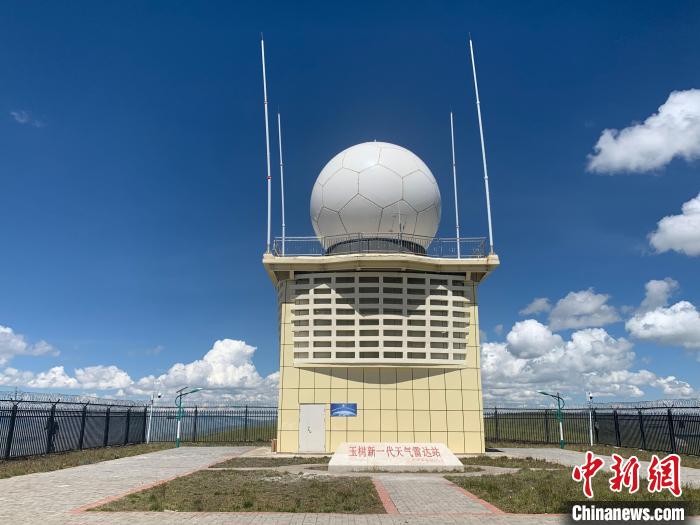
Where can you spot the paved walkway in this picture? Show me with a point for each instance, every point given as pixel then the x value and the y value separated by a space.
pixel 60 497
pixel 49 497
pixel 689 476
pixel 426 494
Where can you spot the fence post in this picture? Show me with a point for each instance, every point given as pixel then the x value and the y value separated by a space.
pixel 105 439
pixel 194 430
pixel 546 425
pixel 245 426
pixel 50 429
pixel 128 423
pixel 145 423
pixel 11 431
pixel 641 430
pixel 82 428
pixel 495 415
pixel 671 431
pixel 595 426
pixel 617 429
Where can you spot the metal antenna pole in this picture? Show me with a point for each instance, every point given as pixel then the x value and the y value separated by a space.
pixel 279 137
pixel 454 181
pixel 400 225
pixel 267 146
pixel 483 147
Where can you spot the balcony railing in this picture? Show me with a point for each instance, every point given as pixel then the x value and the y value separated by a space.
pixel 469 247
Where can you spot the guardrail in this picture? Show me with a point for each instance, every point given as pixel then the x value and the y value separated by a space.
pixel 447 247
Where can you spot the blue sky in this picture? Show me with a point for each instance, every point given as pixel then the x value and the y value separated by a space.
pixel 132 185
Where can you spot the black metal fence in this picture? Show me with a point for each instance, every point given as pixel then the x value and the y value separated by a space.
pixel 244 424
pixel 668 430
pixel 30 428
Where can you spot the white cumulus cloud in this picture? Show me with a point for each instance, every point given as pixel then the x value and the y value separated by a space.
pixel 227 365
pixel 592 360
pixel 55 377
pixel 226 371
pixel 658 292
pixel 12 344
pixel 530 338
pixel 13 377
pixel 538 305
pixel 92 377
pixel 676 325
pixel 672 132
pixel 655 321
pixel 679 233
pixel 102 377
pixel 582 309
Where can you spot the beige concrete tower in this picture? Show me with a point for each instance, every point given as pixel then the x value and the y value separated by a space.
pixel 376 313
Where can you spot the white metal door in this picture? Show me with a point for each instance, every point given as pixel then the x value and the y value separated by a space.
pixel 312 428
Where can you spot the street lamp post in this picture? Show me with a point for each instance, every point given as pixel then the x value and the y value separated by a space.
pixel 560 414
pixel 178 402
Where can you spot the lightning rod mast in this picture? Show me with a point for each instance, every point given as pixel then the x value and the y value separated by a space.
pixel 279 138
pixel 454 181
pixel 267 146
pixel 483 147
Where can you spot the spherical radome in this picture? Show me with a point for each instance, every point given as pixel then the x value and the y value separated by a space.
pixel 376 188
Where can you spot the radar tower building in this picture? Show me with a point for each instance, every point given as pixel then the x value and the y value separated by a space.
pixel 379 325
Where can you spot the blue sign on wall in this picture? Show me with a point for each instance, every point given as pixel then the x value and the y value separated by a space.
pixel 343 409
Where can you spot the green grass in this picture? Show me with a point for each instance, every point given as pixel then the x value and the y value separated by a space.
pixel 246 462
pixel 501 461
pixel 255 491
pixel 21 466
pixel 604 450
pixel 550 491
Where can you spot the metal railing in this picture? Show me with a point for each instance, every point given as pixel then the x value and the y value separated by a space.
pixel 240 424
pixel 660 429
pixel 470 247
pixel 30 428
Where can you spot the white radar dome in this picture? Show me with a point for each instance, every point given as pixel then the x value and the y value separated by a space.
pixel 378 190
